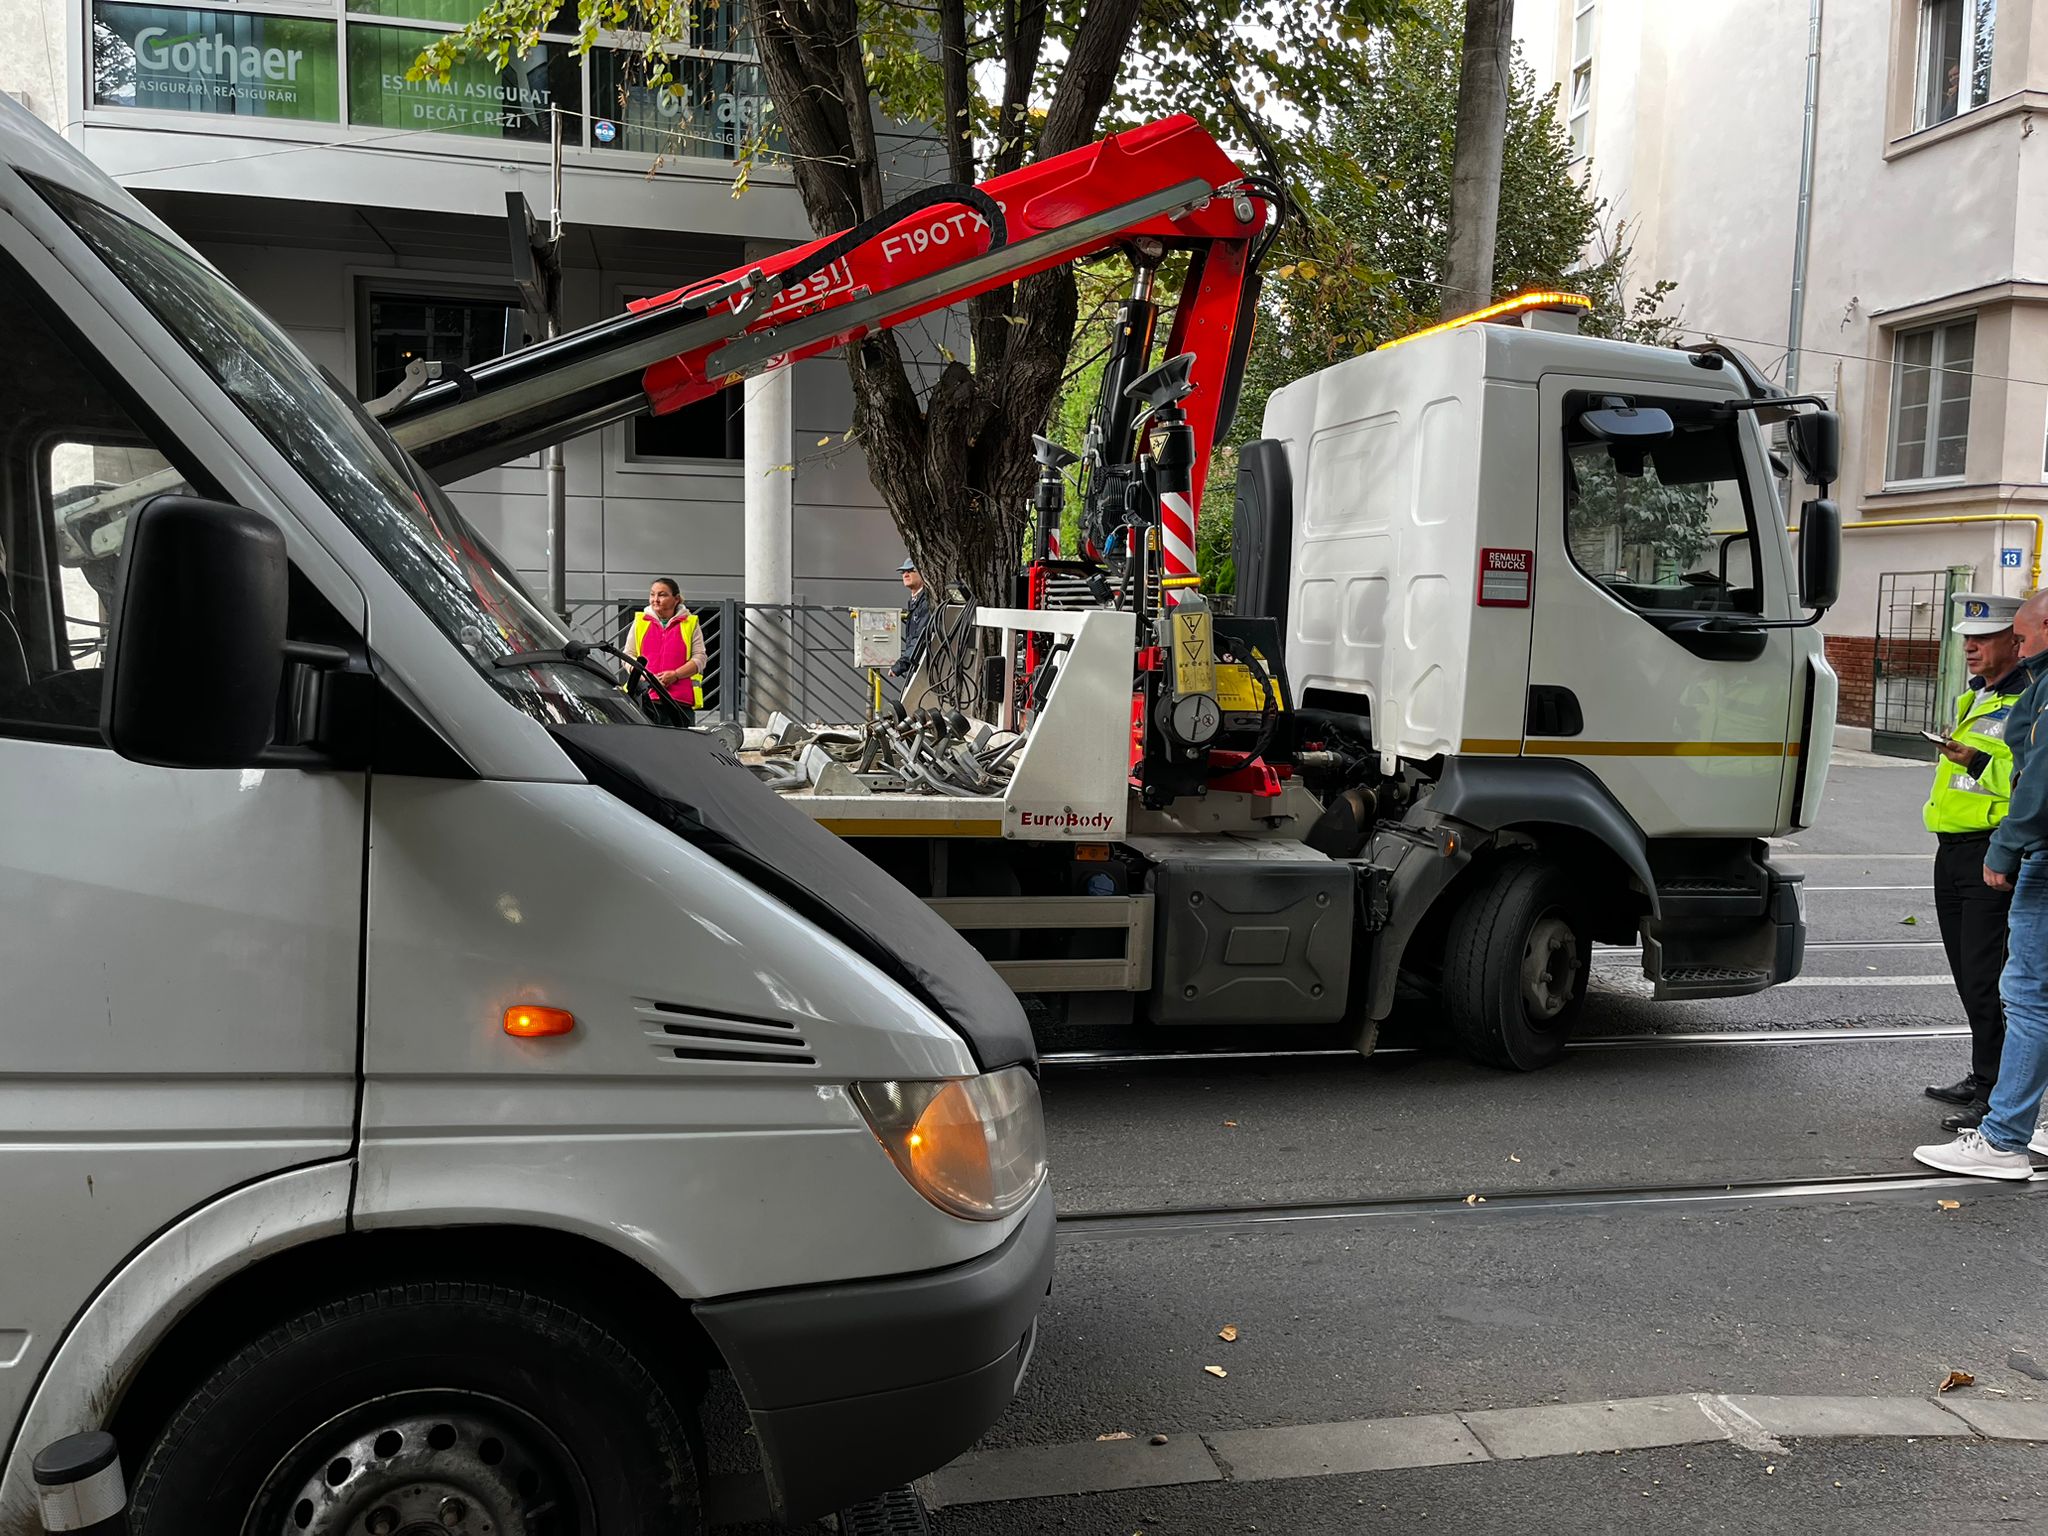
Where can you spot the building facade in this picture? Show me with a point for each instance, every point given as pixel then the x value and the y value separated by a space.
pixel 1920 308
pixel 367 213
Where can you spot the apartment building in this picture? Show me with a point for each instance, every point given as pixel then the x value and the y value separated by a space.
pixel 1894 260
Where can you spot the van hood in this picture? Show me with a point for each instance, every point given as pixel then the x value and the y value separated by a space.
pixel 694 786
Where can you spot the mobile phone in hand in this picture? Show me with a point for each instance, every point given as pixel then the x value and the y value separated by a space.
pixel 1936 737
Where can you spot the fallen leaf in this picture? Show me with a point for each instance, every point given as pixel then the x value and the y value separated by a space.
pixel 1219 1373
pixel 1229 1333
pixel 1115 1434
pixel 1909 922
pixel 1950 1205
pixel 1956 1379
pixel 1475 1199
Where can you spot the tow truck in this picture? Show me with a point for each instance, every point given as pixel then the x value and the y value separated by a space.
pixel 1522 658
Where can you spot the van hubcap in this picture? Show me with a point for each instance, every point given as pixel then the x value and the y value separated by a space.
pixel 440 1464
pixel 1550 968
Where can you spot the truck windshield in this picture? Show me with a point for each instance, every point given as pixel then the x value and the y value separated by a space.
pixel 393 506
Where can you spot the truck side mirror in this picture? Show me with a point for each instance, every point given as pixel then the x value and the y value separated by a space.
pixel 198 645
pixel 1820 552
pixel 1627 424
pixel 1816 440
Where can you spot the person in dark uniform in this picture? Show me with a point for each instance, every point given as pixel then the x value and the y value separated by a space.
pixel 917 619
pixel 1972 789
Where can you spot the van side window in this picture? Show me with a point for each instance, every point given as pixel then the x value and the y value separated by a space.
pixel 1662 521
pixel 74 462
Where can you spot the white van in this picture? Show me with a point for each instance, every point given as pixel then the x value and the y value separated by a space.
pixel 417 1074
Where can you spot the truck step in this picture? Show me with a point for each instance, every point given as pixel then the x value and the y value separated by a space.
pixel 899 1512
pixel 1713 896
pixel 1682 981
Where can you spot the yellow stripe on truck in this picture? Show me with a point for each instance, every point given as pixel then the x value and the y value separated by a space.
pixel 895 826
pixel 1570 746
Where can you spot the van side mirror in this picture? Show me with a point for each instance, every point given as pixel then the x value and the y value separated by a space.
pixel 1816 441
pixel 197 652
pixel 1820 553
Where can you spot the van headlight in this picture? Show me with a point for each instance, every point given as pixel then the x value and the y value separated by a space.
pixel 973 1146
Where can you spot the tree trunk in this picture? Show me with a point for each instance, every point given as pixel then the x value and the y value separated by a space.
pixel 1476 164
pixel 952 461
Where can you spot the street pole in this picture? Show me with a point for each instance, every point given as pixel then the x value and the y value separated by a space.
pixel 1476 161
pixel 557 479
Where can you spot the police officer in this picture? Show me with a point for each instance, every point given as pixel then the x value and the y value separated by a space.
pixel 917 618
pixel 1972 787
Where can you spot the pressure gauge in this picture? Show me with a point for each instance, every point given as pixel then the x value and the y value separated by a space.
pixel 1196 719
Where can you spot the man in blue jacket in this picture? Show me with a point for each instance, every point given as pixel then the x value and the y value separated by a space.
pixel 2018 862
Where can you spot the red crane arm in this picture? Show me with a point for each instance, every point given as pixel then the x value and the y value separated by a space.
pixel 1078 195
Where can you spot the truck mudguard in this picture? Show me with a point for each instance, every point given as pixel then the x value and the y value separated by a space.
pixel 1491 793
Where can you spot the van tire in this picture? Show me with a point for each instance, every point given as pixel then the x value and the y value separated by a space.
pixel 1516 960
pixel 423 1392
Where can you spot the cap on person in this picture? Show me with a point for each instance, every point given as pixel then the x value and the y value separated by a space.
pixel 1983 613
pixel 907 565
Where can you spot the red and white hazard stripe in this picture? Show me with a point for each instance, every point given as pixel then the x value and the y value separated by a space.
pixel 1176 539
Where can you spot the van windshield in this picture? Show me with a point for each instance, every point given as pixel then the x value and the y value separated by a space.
pixel 393 506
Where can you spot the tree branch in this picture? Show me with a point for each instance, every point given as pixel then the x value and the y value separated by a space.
pixel 1089 78
pixel 1023 37
pixel 959 124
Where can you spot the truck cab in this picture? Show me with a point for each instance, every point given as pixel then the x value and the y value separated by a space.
pixel 422 1079
pixel 1540 588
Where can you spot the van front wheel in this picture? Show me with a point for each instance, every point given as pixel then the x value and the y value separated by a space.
pixel 1516 961
pixel 446 1406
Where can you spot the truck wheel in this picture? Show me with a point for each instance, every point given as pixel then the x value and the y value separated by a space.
pixel 441 1405
pixel 1515 965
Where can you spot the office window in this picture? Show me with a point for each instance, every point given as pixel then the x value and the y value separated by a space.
pixel 1580 116
pixel 713 428
pixel 1955 57
pixel 398 326
pixel 1930 427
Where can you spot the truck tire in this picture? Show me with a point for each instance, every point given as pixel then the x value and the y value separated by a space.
pixel 445 1405
pixel 1516 961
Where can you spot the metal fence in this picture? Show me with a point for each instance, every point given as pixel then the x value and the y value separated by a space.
pixel 1906 679
pixel 759 657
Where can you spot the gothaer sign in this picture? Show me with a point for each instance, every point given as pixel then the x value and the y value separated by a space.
pixel 224 62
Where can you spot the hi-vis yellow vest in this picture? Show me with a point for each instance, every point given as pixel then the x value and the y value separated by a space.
pixel 690 694
pixel 1961 802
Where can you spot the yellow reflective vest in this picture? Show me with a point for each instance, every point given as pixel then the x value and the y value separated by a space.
pixel 690 694
pixel 1962 801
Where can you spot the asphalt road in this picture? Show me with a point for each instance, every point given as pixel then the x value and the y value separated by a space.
pixel 1539 1294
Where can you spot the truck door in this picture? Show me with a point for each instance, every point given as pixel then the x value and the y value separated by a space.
pixel 179 949
pixel 1654 559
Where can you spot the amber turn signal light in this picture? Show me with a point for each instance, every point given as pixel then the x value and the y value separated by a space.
pixel 528 1021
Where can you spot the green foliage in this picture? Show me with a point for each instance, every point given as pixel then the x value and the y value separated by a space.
pixel 1370 262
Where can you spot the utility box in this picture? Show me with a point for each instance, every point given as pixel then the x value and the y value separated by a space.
pixel 1248 929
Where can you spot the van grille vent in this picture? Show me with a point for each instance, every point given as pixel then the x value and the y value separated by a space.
pixel 677 1032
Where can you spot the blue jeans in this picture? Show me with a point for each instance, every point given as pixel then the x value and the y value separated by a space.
pixel 2023 1066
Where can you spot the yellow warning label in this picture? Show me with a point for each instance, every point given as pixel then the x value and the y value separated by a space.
pixel 1239 693
pixel 1194 652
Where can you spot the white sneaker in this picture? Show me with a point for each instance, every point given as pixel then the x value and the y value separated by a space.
pixel 1970 1153
pixel 2039 1145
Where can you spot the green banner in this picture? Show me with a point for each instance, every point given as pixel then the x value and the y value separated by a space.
pixel 479 98
pixel 219 62
pixel 458 13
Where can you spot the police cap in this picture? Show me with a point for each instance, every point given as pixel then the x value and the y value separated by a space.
pixel 1983 613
